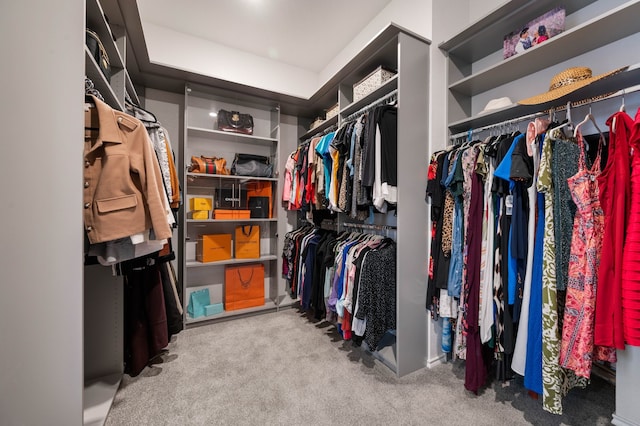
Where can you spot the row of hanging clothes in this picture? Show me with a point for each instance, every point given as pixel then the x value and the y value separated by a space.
pixel 347 278
pixel 533 260
pixel 131 199
pixel 349 170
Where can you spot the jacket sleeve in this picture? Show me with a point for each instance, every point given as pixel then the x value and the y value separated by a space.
pixel 151 186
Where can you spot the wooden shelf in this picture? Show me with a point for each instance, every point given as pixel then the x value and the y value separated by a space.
pixel 98 397
pixel 231 220
pixel 613 25
pixel 613 84
pixel 269 305
pixel 388 87
pixel 100 82
pixel 244 178
pixel 321 128
pixel 266 258
pixel 97 23
pixel 485 36
pixel 228 136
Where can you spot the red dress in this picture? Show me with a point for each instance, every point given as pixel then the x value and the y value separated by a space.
pixel 614 198
pixel 631 255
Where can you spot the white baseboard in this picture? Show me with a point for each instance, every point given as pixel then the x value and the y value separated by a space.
pixel 621 421
pixel 432 362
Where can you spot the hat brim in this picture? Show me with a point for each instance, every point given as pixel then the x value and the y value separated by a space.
pixel 560 92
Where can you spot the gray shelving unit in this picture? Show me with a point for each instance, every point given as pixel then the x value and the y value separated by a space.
pixel 599 34
pixel 397 49
pixel 201 137
pixel 103 292
pixel 475 65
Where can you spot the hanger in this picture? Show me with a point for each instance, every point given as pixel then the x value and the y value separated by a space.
pixel 622 107
pixel 588 117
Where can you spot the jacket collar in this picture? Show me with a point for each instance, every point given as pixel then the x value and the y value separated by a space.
pixel 108 124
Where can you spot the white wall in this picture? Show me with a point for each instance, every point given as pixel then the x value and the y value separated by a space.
pixel 41 314
pixel 185 52
pixel 167 47
pixel 479 9
pixel 414 15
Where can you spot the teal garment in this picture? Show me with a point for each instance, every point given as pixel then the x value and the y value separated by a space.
pixel 322 148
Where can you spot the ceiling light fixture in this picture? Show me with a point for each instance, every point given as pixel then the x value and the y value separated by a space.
pixel 213 114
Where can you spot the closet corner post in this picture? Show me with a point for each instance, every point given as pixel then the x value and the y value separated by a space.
pixel 413 131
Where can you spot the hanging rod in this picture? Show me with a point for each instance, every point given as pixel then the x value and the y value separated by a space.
pixel 391 95
pixel 369 226
pixel 498 124
pixel 576 104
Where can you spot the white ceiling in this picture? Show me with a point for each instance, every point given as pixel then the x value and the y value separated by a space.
pixel 303 33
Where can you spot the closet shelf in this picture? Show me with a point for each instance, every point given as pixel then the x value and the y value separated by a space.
pixel 388 86
pixel 269 305
pixel 130 89
pixel 97 397
pixel 97 23
pixel 613 84
pixel 613 25
pixel 230 220
pixel 227 136
pixel 265 258
pixel 485 36
pixel 321 128
pixel 100 82
pixel 243 178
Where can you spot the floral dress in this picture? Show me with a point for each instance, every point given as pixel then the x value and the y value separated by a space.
pixel 586 246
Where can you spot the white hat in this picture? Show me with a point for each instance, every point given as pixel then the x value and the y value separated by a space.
pixel 497 103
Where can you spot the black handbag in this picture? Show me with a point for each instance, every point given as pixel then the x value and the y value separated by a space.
pixel 234 121
pixel 251 165
pixel 97 50
pixel 259 207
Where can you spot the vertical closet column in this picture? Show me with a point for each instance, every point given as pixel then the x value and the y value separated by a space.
pixel 413 107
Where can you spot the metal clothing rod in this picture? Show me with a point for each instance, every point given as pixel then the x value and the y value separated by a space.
pixel 499 124
pixel 393 94
pixel 368 226
pixel 576 104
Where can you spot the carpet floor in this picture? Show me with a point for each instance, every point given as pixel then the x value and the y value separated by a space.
pixel 283 369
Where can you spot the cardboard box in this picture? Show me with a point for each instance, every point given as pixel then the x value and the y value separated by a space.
pixel 216 308
pixel 200 214
pixel 214 247
pixel 225 214
pixel 201 203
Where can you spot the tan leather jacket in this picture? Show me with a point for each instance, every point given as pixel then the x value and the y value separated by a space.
pixel 122 180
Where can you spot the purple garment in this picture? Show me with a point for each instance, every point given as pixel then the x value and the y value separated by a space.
pixel 475 367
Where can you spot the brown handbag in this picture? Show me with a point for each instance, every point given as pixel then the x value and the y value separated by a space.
pixel 209 165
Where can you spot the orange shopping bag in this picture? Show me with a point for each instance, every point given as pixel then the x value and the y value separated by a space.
pixel 247 242
pixel 243 286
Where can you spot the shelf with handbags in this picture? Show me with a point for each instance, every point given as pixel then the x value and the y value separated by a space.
pixel 230 220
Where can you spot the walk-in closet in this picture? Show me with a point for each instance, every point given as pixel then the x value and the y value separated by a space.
pixel 365 212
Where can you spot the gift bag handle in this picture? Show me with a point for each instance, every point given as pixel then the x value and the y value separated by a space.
pixel 247 234
pixel 245 284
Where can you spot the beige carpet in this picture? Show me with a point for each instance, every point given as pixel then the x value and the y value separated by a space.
pixel 282 369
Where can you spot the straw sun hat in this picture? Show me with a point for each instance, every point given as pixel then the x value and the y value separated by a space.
pixel 566 82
